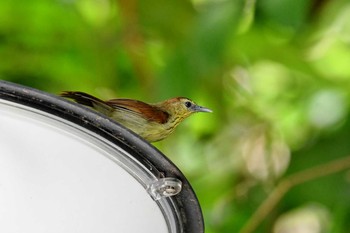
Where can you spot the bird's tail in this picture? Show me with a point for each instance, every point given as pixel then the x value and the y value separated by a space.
pixel 88 100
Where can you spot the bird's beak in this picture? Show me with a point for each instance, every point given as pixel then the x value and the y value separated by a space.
pixel 198 108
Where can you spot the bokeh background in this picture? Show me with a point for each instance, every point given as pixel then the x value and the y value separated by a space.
pixel 274 155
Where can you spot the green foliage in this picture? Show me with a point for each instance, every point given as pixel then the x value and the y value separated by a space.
pixel 276 74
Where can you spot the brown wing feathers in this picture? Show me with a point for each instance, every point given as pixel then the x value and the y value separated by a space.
pixel 144 110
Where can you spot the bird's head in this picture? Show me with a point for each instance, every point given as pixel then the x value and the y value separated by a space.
pixel 183 107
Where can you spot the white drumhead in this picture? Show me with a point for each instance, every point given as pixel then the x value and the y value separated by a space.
pixel 57 177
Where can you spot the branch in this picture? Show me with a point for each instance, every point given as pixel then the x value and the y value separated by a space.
pixel 289 182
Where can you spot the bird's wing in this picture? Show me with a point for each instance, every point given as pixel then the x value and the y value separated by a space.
pixel 88 100
pixel 147 111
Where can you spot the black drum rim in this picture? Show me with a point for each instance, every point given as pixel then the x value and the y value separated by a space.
pixel 186 201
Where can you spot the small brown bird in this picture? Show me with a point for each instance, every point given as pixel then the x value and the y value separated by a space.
pixel 153 122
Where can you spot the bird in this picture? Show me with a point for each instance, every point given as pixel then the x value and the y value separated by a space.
pixel 153 122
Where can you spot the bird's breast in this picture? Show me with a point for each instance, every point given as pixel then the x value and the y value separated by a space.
pixel 148 129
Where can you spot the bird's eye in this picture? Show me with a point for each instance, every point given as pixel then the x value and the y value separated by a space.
pixel 188 104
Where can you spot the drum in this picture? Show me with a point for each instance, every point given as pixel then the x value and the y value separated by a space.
pixel 65 168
